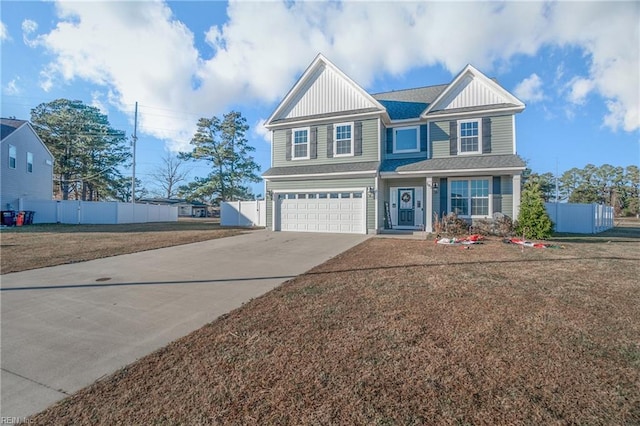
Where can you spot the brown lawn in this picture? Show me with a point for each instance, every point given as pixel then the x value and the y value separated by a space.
pixel 38 246
pixel 405 332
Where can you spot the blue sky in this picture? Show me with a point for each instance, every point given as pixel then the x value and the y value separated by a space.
pixel 575 65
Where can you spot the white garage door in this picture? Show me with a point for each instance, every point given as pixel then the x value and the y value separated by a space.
pixel 342 212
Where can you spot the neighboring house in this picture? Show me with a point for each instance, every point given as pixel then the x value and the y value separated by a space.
pixel 26 165
pixel 344 160
pixel 185 208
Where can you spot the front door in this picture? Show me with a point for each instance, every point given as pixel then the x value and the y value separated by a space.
pixel 406 207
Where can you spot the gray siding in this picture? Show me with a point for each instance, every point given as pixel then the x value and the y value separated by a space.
pixel 506 185
pixel 18 183
pixel 369 146
pixel 319 184
pixel 439 139
pixel 501 137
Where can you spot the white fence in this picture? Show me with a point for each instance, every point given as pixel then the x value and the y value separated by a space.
pixel 97 212
pixel 243 213
pixel 580 218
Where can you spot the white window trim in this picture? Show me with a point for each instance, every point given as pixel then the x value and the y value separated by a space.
pixel 474 120
pixel 469 179
pixel 15 156
pixel 335 139
pixel 293 143
pixel 404 151
pixel 29 162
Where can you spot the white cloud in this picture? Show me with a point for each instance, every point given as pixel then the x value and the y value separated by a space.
pixel 96 101
pixel 260 131
pixel 4 33
pixel 530 89
pixel 579 88
pixel 140 52
pixel 28 28
pixel 12 88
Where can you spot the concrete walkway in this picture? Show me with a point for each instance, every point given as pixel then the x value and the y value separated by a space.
pixel 66 326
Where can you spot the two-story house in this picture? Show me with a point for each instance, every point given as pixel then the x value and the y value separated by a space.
pixel 344 160
pixel 26 168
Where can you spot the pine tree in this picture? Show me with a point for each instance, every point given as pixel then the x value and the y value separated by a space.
pixel 533 220
pixel 223 144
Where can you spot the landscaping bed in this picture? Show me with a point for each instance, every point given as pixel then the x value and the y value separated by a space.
pixel 400 331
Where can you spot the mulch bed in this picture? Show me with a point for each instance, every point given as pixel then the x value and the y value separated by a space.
pixel 404 332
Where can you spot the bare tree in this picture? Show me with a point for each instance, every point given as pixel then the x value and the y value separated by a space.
pixel 169 174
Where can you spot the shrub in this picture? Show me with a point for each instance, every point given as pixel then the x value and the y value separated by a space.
pixel 501 226
pixel 450 224
pixel 533 220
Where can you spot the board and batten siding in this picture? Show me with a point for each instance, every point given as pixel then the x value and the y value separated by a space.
pixel 501 137
pixel 320 185
pixel 369 145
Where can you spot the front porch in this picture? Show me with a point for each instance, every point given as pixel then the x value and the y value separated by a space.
pixel 410 204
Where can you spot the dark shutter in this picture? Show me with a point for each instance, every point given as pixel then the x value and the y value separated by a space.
pixel 423 138
pixel 357 138
pixel 497 194
pixel 330 141
pixel 389 141
pixel 486 135
pixel 313 143
pixel 287 154
pixel 443 197
pixel 453 138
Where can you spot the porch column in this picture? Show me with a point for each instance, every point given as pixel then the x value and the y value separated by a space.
pixel 516 196
pixel 428 206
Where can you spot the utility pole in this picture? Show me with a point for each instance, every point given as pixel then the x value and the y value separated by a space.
pixel 135 138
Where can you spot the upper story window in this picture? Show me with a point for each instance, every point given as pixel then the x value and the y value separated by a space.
pixel 300 145
pixel 12 156
pixel 343 139
pixel 406 139
pixel 469 137
pixel 29 162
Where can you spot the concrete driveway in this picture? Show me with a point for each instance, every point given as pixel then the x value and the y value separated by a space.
pixel 66 326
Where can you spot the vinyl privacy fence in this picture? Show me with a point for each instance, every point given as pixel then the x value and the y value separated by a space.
pixel 98 212
pixel 243 213
pixel 580 218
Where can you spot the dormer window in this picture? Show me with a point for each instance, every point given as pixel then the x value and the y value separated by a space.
pixel 469 137
pixel 406 139
pixel 300 146
pixel 343 140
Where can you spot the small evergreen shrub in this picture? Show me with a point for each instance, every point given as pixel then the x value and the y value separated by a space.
pixel 533 221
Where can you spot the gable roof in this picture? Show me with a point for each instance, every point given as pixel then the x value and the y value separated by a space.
pixel 10 125
pixel 472 89
pixel 340 94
